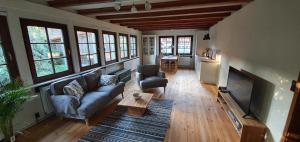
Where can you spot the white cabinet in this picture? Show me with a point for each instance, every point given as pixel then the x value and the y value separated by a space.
pixel 207 70
pixel 149 49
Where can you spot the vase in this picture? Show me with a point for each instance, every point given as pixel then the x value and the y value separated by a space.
pixel 6 127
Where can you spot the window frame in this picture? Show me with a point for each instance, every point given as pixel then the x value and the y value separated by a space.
pixel 191 50
pixel 131 50
pixel 128 56
pixel 8 50
pixel 116 47
pixel 160 37
pixel 95 31
pixel 31 22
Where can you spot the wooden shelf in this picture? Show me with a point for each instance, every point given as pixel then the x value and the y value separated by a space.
pixel 249 129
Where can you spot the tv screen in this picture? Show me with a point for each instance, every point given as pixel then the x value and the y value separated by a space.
pixel 240 87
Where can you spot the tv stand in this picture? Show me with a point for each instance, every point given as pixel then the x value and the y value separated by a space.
pixel 249 129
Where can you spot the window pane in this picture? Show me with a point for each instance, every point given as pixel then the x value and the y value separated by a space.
pixel 111 39
pixel 37 34
pixel 43 67
pixel 125 54
pixel 121 39
pixel 60 65
pixel 83 49
pixel 85 61
pixel 106 47
pixel 107 56
pixel 106 38
pixel 112 47
pixel 4 74
pixel 91 37
pixel 2 57
pixel 92 48
pixel 40 51
pixel 94 59
pixel 81 37
pixel 113 55
pixel 58 50
pixel 55 35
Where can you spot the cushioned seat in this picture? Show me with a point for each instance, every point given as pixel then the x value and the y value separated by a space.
pixel 149 76
pixel 91 102
pixel 153 81
pixel 113 90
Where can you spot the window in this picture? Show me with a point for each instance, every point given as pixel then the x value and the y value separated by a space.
pixel 88 49
pixel 8 64
pixel 133 43
pixel 110 50
pixel 124 46
pixel 48 51
pixel 166 45
pixel 184 45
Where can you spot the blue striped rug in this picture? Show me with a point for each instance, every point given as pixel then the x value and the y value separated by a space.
pixel 120 127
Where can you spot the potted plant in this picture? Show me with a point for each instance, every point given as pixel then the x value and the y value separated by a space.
pixel 12 95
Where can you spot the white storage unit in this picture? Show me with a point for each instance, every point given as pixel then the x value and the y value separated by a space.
pixel 207 70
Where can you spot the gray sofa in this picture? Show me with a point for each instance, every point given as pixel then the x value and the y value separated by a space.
pixel 149 76
pixel 95 98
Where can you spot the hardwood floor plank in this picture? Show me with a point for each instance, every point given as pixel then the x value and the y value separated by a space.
pixel 196 116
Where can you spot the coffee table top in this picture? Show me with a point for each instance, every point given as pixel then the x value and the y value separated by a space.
pixel 143 102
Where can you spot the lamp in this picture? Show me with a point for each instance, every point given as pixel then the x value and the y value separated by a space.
pixel 133 8
pixel 206 37
pixel 148 5
pixel 117 6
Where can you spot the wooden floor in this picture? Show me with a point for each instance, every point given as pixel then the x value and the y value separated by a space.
pixel 196 116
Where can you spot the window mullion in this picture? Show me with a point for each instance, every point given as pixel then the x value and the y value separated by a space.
pixel 49 46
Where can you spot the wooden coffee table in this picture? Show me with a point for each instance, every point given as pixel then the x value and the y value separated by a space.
pixel 136 107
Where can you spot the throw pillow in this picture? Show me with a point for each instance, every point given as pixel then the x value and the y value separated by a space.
pixel 74 89
pixel 108 80
pixel 92 80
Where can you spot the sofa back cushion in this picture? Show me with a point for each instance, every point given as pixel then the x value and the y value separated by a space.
pixel 93 79
pixel 148 70
pixel 56 88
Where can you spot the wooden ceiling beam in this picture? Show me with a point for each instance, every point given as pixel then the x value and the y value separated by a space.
pixel 173 21
pixel 161 5
pixel 65 3
pixel 171 26
pixel 173 12
pixel 202 16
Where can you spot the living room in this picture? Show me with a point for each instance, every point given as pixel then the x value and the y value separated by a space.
pixel 149 70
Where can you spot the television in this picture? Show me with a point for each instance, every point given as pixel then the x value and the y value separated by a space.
pixel 240 86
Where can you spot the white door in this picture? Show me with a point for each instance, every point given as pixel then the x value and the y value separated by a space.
pixel 149 49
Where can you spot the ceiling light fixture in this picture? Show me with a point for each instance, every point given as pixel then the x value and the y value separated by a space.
pixel 117 6
pixel 133 8
pixel 148 5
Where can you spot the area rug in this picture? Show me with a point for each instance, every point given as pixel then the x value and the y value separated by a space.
pixel 121 127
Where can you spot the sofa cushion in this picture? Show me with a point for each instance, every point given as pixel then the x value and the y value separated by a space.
pixel 108 80
pixel 74 89
pixel 56 88
pixel 113 90
pixel 152 82
pixel 91 102
pixel 92 79
pixel 148 70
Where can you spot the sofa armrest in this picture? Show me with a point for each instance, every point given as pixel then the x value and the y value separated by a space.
pixel 65 104
pixel 162 74
pixel 138 77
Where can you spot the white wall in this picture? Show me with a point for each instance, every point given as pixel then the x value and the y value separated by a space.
pixel 263 38
pixel 197 42
pixel 16 9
